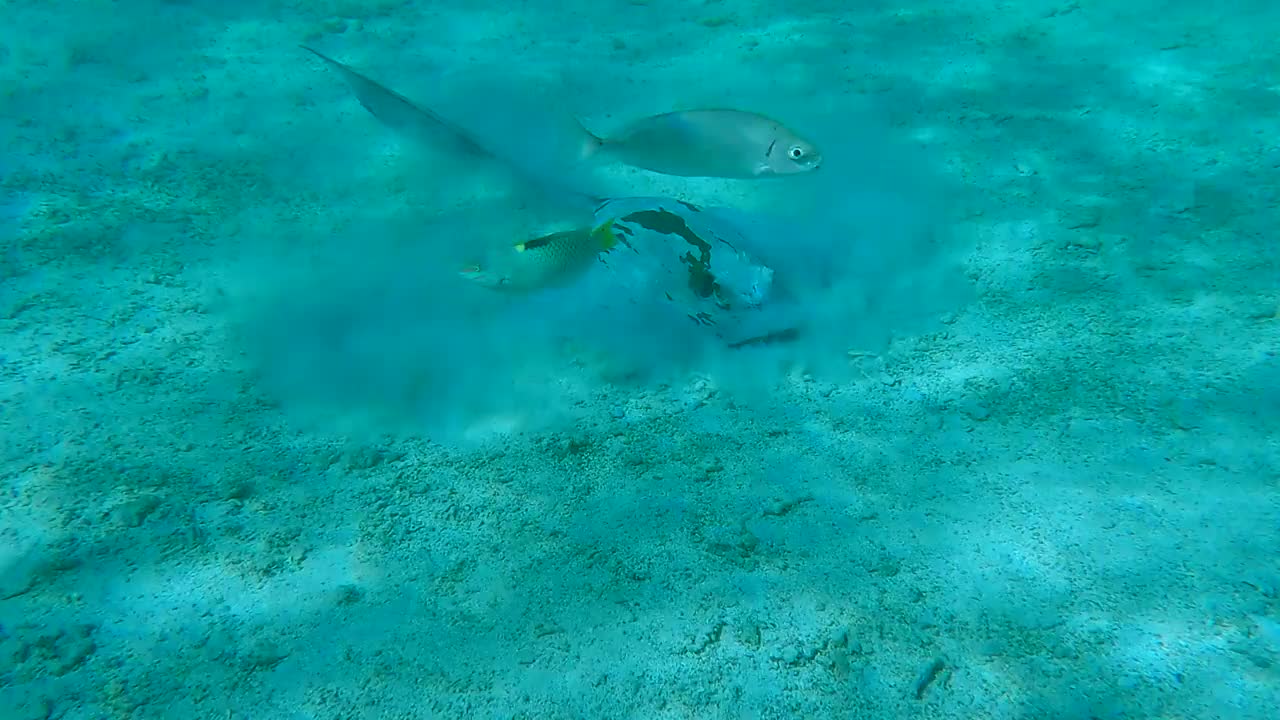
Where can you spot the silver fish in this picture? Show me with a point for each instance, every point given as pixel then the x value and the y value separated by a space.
pixel 708 143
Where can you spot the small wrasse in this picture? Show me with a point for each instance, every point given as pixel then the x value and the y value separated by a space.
pixel 552 260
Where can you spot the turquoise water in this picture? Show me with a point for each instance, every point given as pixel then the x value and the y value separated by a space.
pixel 1014 454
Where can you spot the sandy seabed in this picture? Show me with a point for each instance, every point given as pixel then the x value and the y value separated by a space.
pixel 1059 499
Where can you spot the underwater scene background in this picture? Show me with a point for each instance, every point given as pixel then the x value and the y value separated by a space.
pixel 978 416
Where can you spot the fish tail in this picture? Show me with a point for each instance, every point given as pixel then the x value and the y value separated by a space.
pixel 604 235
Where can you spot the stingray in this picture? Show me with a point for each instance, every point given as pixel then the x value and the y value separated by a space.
pixel 661 216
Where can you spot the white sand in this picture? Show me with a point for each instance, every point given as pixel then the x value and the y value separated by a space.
pixel 1067 491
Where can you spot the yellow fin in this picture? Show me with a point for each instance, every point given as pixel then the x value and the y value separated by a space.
pixel 604 235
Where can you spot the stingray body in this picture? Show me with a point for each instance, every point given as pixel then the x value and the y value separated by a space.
pixel 668 253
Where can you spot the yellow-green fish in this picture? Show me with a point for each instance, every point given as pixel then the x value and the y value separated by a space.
pixel 708 143
pixel 548 261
